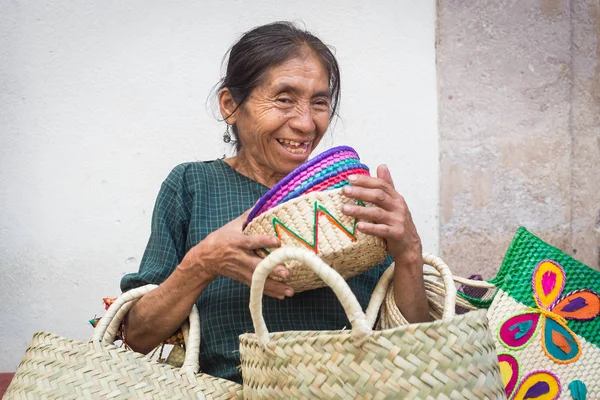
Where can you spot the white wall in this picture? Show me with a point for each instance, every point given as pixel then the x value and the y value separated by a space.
pixel 99 100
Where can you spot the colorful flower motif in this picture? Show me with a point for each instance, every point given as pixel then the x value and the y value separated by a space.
pixel 537 385
pixel 558 340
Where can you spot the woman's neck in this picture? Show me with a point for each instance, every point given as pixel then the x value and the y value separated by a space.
pixel 250 168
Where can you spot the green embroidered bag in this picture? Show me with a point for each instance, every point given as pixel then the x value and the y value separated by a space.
pixel 545 315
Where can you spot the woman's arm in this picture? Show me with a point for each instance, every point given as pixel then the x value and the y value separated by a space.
pixel 157 315
pixel 226 251
pixel 392 221
pixel 409 288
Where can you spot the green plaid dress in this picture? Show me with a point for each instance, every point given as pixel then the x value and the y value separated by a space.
pixel 196 199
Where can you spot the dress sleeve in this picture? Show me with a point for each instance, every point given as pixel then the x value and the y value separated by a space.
pixel 166 246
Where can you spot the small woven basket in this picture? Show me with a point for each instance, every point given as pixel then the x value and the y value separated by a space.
pixel 315 221
pixel 451 358
pixel 329 170
pixel 391 317
pixel 55 367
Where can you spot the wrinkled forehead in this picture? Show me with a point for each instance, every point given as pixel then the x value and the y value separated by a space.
pixel 304 73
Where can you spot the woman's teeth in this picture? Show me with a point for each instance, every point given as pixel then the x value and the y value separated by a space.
pixel 294 147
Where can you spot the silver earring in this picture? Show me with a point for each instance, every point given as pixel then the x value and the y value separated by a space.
pixel 226 135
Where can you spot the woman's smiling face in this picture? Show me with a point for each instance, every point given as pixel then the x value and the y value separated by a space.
pixel 284 117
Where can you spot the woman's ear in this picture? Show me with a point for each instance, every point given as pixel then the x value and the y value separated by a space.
pixel 227 106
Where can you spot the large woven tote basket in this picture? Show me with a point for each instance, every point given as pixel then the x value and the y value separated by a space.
pixel 546 318
pixel 315 221
pixel 452 358
pixel 58 368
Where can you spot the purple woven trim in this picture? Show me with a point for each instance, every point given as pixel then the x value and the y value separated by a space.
pixel 293 174
pixel 308 184
pixel 343 155
pixel 300 179
pixel 318 179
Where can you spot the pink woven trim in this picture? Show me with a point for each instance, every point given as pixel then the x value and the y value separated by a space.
pixel 290 186
pixel 292 175
pixel 336 179
pixel 344 155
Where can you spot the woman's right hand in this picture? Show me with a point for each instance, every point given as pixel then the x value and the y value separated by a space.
pixel 229 252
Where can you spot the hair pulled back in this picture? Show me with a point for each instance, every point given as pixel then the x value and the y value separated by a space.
pixel 268 46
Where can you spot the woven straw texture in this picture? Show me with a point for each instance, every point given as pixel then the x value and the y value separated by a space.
pixel 452 358
pixel 58 368
pixel 546 320
pixel 391 317
pixel 315 221
pixel 532 358
pixel 322 171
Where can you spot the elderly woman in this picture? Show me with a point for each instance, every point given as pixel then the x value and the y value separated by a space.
pixel 280 92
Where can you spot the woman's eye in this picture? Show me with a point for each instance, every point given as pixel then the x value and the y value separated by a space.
pixel 284 100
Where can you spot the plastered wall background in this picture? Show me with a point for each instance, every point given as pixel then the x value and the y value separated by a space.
pixel 100 99
pixel 519 101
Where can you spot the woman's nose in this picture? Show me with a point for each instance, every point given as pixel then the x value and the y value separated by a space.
pixel 303 121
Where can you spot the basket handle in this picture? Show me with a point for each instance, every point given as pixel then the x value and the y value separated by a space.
pixel 384 282
pixel 109 324
pixel 361 331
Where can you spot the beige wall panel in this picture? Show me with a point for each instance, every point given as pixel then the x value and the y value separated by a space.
pixel 585 186
pixel 519 143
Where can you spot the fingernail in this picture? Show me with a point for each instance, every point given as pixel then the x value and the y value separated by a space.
pixel 289 292
pixel 347 189
pixel 345 208
pixel 284 273
pixel 275 242
pixel 352 178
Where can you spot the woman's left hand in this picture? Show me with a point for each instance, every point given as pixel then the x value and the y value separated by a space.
pixel 390 219
pixel 389 214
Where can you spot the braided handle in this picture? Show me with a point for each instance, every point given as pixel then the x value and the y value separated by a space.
pixel 360 329
pixel 384 282
pixel 106 330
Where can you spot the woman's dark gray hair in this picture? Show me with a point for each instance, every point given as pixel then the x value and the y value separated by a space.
pixel 268 46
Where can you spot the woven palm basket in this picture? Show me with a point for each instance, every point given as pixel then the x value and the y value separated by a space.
pixel 451 358
pixel 544 311
pixel 391 317
pixel 315 221
pixel 546 319
pixel 329 170
pixel 55 367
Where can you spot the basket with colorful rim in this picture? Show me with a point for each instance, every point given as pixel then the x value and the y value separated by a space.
pixel 304 210
pixel 546 315
pixel 315 221
pixel 328 170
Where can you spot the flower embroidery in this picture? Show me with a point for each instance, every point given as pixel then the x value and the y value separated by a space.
pixel 558 340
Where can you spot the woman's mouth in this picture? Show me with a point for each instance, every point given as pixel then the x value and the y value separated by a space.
pixel 294 147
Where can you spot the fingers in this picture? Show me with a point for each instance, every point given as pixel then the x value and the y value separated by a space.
pixel 376 196
pixel 272 287
pixel 373 214
pixel 381 230
pixel 383 181
pixel 281 272
pixel 376 221
pixel 255 242
pixel 277 289
pixel 384 173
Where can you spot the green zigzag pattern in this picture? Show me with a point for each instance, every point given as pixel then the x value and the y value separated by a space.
pixel 317 207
